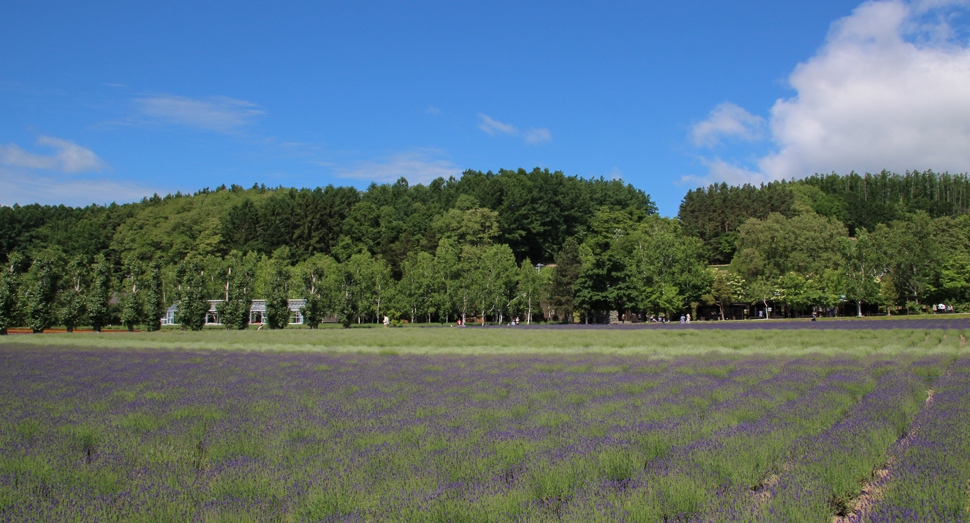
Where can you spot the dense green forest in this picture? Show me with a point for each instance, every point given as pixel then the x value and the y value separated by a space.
pixel 531 212
pixel 472 246
pixel 715 213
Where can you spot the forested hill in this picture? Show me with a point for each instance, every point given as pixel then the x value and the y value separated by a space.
pixel 715 213
pixel 532 212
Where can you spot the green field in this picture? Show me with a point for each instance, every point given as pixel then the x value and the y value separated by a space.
pixel 657 341
pixel 485 425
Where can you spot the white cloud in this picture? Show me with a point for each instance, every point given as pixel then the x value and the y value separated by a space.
pixel 719 170
pixel 418 166
pixel 24 187
pixel 872 100
pixel 727 120
pixel 69 158
pixel 432 110
pixel 888 90
pixel 492 126
pixel 218 113
pixel 536 136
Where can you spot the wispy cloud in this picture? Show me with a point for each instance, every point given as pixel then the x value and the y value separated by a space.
pixel 217 113
pixel 418 166
pixel 432 110
pixel 534 136
pixel 886 91
pixel 492 126
pixel 69 157
pixel 26 187
pixel 719 170
pixel 727 120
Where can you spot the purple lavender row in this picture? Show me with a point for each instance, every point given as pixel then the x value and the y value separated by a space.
pixel 337 438
pixel 831 467
pixel 205 388
pixel 930 477
pixel 711 479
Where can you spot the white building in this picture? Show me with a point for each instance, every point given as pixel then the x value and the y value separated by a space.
pixel 257 313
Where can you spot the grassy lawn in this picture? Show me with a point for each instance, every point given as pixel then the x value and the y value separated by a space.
pixel 656 342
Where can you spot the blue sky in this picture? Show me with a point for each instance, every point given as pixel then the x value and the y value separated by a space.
pixel 112 101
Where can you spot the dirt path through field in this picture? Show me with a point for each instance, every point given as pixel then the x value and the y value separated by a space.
pixel 873 490
pixel 869 494
pixel 762 492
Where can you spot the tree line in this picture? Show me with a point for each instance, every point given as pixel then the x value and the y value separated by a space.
pixel 476 247
pixel 625 263
pixel 533 212
pixel 715 213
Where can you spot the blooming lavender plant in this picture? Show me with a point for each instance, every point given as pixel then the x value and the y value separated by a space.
pixel 930 474
pixel 95 435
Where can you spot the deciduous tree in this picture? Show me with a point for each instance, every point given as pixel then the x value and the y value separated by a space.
pixel 568 267
pixel 10 293
pixel 99 296
pixel 277 305
pixel 239 275
pixel 40 299
pixel 73 299
pixel 154 297
pixel 530 288
pixel 193 304
pixel 132 308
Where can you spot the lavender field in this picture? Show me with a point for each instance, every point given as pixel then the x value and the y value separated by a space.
pixel 191 435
